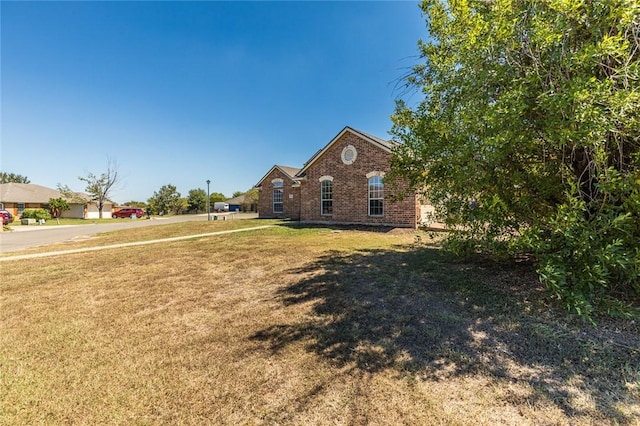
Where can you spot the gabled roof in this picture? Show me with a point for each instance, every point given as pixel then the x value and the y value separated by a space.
pixel 376 141
pixel 290 172
pixel 31 193
pixel 26 193
pixel 388 144
pixel 237 200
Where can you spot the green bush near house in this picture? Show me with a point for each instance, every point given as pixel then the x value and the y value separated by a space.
pixel 35 214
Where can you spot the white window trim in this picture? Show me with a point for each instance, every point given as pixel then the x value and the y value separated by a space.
pixel 273 200
pixel 324 179
pixel 374 173
pixel 277 184
pixel 344 153
pixel 369 176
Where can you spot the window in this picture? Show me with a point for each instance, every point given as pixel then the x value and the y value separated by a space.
pixel 278 196
pixel 326 197
pixel 20 208
pixel 349 154
pixel 376 196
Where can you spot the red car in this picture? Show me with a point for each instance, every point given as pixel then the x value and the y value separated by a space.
pixel 127 213
pixel 7 217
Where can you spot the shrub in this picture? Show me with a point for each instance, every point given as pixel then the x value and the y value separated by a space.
pixel 590 259
pixel 35 214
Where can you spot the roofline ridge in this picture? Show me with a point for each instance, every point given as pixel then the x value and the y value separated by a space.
pixel 381 143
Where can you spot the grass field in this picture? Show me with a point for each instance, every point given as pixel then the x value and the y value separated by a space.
pixel 292 325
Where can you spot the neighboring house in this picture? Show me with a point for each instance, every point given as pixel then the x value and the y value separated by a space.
pixel 343 183
pixel 17 197
pixel 242 203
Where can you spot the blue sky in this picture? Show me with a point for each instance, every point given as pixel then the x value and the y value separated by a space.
pixel 181 92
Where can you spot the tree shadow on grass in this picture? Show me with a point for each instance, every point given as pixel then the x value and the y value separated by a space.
pixel 424 313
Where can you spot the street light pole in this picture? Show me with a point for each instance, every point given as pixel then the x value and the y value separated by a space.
pixel 208 201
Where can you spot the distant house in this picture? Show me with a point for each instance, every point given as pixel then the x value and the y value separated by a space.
pixel 242 203
pixel 343 183
pixel 17 197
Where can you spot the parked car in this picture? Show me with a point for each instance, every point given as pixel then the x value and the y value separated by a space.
pixel 7 217
pixel 127 213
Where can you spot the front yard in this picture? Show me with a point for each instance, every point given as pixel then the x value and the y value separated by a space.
pixel 293 325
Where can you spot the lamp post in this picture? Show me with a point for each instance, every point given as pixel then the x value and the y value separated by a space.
pixel 208 201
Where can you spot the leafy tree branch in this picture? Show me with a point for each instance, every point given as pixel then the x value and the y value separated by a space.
pixel 527 138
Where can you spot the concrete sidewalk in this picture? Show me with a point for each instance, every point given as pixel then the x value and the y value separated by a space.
pixel 23 228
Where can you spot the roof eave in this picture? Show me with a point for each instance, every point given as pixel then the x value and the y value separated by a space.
pixel 259 184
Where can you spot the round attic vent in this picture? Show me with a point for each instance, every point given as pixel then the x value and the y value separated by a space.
pixel 349 154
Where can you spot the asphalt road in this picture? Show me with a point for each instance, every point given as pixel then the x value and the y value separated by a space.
pixel 24 237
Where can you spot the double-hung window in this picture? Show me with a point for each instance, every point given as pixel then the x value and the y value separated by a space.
pixel 376 196
pixel 326 197
pixel 278 196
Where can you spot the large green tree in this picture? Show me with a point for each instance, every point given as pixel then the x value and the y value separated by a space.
pixel 166 200
pixel 6 177
pixel 197 200
pixel 527 137
pixel 134 203
pixel 216 196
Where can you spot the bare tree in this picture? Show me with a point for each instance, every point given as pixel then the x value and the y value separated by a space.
pixel 99 187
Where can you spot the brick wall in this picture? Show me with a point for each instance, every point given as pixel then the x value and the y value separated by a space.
pixel 350 187
pixel 291 197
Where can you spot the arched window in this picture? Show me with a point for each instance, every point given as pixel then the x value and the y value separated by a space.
pixel 326 196
pixel 376 196
pixel 278 196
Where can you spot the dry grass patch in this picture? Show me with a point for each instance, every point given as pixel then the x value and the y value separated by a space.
pixel 145 233
pixel 300 326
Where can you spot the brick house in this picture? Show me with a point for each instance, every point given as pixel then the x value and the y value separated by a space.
pixel 343 183
pixel 279 193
